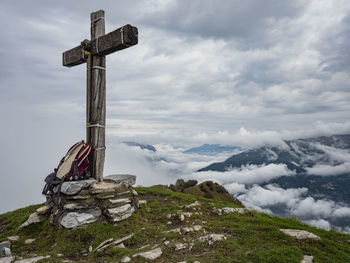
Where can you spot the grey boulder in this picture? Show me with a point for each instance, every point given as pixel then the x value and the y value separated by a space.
pixel 74 187
pixel 120 213
pixel 6 259
pixel 150 255
pixel 75 219
pixel 5 250
pixel 33 218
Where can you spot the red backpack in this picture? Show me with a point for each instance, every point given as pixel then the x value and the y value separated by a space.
pixel 72 167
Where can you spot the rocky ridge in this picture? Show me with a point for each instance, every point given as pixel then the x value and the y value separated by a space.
pixel 176 227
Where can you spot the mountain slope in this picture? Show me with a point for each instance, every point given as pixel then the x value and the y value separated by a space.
pixel 298 154
pixel 250 237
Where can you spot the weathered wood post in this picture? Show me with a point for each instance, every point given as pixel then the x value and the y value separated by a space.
pixel 94 53
pixel 96 99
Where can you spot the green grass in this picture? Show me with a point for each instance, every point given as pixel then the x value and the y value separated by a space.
pixel 251 237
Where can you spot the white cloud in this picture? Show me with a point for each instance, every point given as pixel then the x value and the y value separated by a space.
pixel 329 170
pixel 249 174
pixel 335 154
pixel 155 132
pixel 319 223
pixel 317 128
pixel 235 188
pixel 164 166
pixel 271 195
pixel 341 212
pixel 295 202
pixel 311 207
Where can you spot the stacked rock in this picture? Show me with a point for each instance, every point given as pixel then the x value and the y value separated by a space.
pixel 88 201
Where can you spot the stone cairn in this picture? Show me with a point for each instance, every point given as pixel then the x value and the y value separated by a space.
pixel 88 201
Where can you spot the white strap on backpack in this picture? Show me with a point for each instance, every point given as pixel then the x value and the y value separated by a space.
pixel 68 159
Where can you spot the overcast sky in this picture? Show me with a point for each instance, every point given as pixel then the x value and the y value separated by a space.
pixel 203 71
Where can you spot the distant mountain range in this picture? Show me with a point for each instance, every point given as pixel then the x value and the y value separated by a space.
pixel 302 156
pixel 298 155
pixel 213 149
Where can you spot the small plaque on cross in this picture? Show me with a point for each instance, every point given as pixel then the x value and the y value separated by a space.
pixel 94 52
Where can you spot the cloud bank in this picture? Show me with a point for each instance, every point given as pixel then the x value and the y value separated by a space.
pixel 295 202
pixel 249 174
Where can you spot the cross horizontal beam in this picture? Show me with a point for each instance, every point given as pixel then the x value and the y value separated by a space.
pixel 118 39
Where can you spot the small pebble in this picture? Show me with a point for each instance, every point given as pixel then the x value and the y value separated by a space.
pixel 29 241
pixel 13 238
pixel 125 259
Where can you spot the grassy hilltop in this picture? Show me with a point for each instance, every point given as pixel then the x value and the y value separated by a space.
pixel 250 237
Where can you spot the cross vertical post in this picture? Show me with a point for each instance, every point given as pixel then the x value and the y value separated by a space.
pixel 96 99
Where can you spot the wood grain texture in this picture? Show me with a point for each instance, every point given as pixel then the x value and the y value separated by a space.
pixel 88 96
pixel 105 45
pixel 97 100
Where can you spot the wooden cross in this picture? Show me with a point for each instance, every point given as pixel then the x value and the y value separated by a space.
pixel 94 53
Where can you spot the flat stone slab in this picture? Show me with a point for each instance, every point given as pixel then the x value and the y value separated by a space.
pixel 13 238
pixel 125 259
pixel 180 246
pixel 119 200
pixel 43 210
pixel 29 241
pixel 6 260
pixel 175 230
pixel 103 187
pixel 74 187
pixel 151 254
pixel 33 218
pixel 300 234
pixel 191 229
pixel 211 238
pixel 75 219
pixel 5 250
pixel 230 210
pixel 127 179
pixel 193 204
pixel 307 259
pixel 120 213
pixel 142 202
pixel 73 206
pixel 78 197
pixel 31 260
